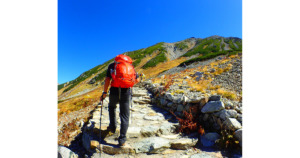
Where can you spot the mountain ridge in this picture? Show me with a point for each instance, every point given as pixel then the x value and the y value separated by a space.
pixel 192 49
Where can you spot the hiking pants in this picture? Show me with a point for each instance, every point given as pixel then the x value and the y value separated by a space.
pixel 123 97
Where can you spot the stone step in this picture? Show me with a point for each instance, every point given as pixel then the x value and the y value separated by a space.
pixel 142 101
pixel 149 130
pixel 139 94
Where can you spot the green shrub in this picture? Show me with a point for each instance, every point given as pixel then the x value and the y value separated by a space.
pixel 161 57
pixel 232 43
pixel 198 49
pixel 60 86
pixel 204 57
pixel 86 75
pixel 223 46
pixel 100 76
pixel 181 45
pixel 138 55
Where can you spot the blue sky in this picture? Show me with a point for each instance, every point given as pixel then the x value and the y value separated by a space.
pixel 94 31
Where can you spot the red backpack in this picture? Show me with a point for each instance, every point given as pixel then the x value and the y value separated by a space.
pixel 124 75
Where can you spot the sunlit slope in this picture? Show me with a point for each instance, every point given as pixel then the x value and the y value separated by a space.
pixel 153 60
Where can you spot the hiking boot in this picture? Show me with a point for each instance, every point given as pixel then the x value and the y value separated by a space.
pixel 110 129
pixel 122 144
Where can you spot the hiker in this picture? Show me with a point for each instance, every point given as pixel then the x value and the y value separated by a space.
pixel 121 84
pixel 142 76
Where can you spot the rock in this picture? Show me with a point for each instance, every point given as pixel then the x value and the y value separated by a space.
pixel 94 144
pixel 232 124
pixel 139 94
pixel 133 132
pixel 203 101
pixel 92 81
pixel 201 155
pixel 178 98
pixel 153 100
pixel 239 118
pixel 209 139
pixel 153 118
pixel 183 143
pixel 113 150
pixel 195 100
pixel 166 128
pixel 212 70
pixel 163 102
pixel 229 105
pixel 239 136
pixel 215 98
pixel 224 114
pixel 149 131
pixel 65 152
pixel 170 104
pixel 205 117
pixel 148 82
pixel 212 106
pixel 240 104
pixel 152 145
pixel 169 96
pixel 198 73
pixel 198 78
pixel 185 100
pixel 180 108
pixel 238 110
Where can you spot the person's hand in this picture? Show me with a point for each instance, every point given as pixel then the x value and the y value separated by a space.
pixel 103 96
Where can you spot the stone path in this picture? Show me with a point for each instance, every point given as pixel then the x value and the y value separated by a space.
pixel 151 131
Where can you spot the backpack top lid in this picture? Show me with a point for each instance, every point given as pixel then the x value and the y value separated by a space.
pixel 123 58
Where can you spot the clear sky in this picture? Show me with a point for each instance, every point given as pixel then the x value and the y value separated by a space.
pixel 91 32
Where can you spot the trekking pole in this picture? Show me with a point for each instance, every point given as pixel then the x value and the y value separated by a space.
pixel 131 94
pixel 100 103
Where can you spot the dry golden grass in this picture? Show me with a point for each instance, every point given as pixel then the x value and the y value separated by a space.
pixel 61 90
pixel 204 85
pixel 225 94
pixel 83 85
pixel 200 86
pixel 79 102
pixel 152 72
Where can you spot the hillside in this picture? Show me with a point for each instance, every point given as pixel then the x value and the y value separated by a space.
pixel 187 51
pixel 180 76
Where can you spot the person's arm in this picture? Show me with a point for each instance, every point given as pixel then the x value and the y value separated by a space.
pixel 138 80
pixel 106 85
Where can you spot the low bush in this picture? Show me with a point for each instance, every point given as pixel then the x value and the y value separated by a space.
pixel 181 45
pixel 161 57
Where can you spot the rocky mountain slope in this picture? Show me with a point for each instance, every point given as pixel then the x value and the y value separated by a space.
pixel 190 49
pixel 181 76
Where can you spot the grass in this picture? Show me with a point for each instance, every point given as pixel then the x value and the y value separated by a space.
pixel 159 68
pixel 77 103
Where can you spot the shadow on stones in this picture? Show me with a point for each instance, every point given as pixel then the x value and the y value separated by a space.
pixel 77 145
